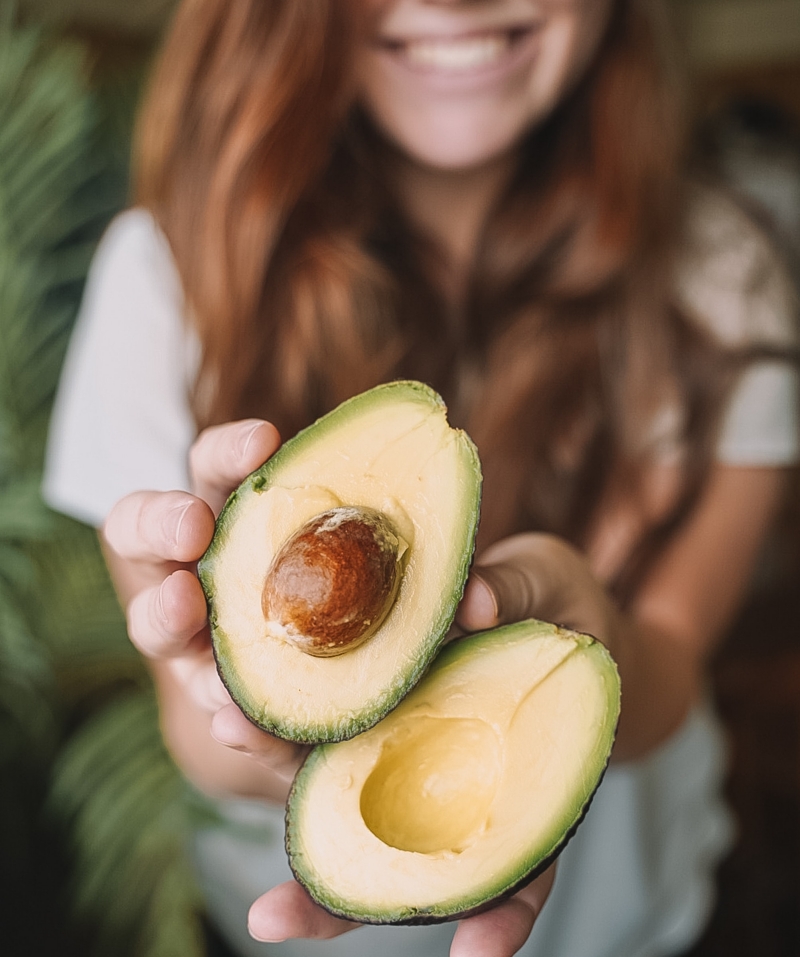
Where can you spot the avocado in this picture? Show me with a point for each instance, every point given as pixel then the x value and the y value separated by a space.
pixel 468 789
pixel 336 568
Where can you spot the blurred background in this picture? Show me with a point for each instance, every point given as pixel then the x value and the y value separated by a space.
pixel 93 817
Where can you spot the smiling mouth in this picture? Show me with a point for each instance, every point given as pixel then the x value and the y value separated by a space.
pixel 460 53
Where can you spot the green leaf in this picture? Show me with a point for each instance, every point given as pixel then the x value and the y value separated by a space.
pixel 131 822
pixel 70 682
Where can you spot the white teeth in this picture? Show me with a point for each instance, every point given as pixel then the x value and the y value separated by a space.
pixel 457 54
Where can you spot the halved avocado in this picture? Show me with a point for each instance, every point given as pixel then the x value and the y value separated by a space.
pixel 389 451
pixel 468 789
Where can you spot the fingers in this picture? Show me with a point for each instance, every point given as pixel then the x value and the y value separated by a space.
pixel 502 931
pixel 231 728
pixel 168 620
pixel 496 594
pixel 535 576
pixel 198 675
pixel 224 455
pixel 287 912
pixel 154 527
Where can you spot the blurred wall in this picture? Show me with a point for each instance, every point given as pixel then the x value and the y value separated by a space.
pixel 720 33
pixel 723 38
pixel 136 17
pixel 742 48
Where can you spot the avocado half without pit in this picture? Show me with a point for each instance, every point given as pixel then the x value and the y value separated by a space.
pixel 468 789
pixel 336 568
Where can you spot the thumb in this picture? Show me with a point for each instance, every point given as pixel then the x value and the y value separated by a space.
pixel 497 594
pixel 535 575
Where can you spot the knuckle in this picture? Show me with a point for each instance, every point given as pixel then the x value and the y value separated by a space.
pixel 151 628
pixel 203 684
pixel 199 452
pixel 121 521
pixel 215 445
pixel 140 630
pixel 144 525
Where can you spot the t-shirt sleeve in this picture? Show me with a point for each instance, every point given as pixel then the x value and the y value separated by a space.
pixel 122 420
pixel 733 281
pixel 761 425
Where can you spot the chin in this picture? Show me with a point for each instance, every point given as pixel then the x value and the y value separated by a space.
pixel 445 158
pixel 444 146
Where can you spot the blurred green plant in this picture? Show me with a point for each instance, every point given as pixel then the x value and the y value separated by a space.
pixel 89 798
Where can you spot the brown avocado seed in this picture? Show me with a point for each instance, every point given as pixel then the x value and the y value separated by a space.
pixel 333 582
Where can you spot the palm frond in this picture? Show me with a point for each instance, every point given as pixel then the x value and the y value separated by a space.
pixel 131 819
pixel 45 131
pixel 72 690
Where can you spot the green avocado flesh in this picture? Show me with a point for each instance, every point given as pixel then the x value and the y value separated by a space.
pixel 468 789
pixel 392 450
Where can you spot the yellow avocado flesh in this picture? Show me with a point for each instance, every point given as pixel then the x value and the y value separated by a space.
pixel 473 781
pixel 401 458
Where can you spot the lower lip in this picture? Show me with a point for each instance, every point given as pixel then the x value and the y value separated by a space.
pixel 517 57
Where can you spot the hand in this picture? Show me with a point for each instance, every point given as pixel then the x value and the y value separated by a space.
pixel 152 542
pixel 535 575
pixel 526 576
pixel 288 912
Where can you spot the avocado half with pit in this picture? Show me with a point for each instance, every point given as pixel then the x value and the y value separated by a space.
pixel 336 568
pixel 466 791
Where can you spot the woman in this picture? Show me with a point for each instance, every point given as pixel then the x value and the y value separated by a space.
pixel 486 195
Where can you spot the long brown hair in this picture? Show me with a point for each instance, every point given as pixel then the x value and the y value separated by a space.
pixel 306 281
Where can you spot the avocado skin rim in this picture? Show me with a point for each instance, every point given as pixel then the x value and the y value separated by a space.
pixel 428 916
pixel 425 917
pixel 259 479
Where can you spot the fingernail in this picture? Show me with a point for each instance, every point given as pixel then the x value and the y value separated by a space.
pixel 173 521
pixel 220 724
pixel 247 437
pixel 228 741
pixel 261 938
pixel 485 579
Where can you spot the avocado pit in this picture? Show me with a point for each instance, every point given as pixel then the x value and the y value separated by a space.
pixel 334 581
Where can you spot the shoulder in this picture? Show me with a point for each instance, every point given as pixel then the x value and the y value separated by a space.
pixel 730 277
pixel 733 282
pixel 133 246
pixel 122 419
pixel 133 299
pixel 134 227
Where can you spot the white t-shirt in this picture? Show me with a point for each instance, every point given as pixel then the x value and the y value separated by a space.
pixel 637 879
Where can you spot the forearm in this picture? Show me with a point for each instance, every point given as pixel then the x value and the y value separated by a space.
pixel 661 678
pixel 688 603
